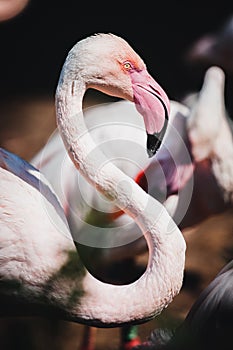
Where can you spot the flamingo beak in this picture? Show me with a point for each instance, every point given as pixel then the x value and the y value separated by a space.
pixel 153 104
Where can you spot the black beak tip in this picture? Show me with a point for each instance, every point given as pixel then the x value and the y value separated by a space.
pixel 153 144
pixel 150 153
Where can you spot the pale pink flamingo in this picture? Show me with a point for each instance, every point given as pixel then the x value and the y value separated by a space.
pixel 42 273
pixel 184 174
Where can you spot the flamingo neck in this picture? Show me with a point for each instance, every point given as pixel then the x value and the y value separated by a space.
pixel 164 274
pixel 222 166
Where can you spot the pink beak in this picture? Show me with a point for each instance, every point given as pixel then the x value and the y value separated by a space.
pixel 153 104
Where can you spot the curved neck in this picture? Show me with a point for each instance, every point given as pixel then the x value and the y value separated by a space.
pixel 164 275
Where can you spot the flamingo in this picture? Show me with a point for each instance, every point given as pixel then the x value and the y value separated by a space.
pixel 41 273
pixel 183 171
pixel 208 324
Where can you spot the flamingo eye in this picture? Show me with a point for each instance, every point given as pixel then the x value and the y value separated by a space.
pixel 127 65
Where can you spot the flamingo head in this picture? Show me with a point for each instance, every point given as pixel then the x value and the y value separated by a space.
pixel 108 63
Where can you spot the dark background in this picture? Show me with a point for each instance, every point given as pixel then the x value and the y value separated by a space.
pixel 35 43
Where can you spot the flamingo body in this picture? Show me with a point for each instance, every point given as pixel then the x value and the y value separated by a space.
pixel 23 244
